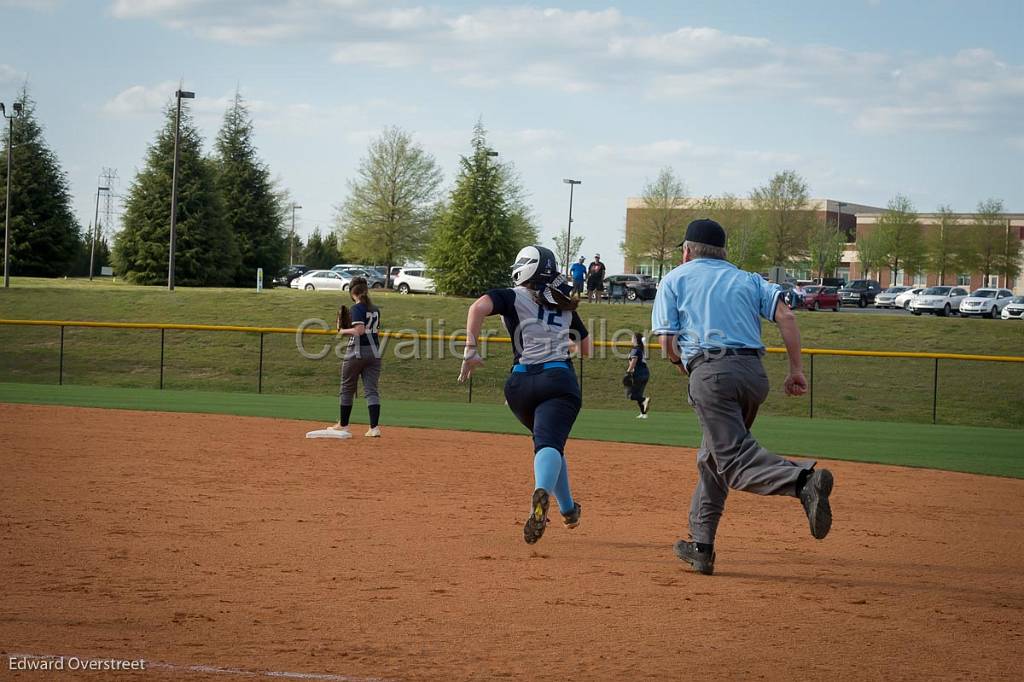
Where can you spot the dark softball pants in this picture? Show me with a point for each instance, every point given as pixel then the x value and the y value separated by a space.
pixel 366 365
pixel 547 402
pixel 726 393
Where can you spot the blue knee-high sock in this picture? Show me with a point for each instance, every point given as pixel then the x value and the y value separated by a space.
pixel 547 464
pixel 562 492
pixel 550 472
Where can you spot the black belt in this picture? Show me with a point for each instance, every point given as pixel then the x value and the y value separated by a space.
pixel 716 354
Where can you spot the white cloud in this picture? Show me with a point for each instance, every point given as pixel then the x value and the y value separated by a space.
pixel 389 55
pixel 9 74
pixel 570 51
pixel 152 99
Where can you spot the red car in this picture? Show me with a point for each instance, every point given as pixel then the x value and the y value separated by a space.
pixel 818 297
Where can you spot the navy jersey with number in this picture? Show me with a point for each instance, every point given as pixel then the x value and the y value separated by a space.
pixel 370 317
pixel 539 334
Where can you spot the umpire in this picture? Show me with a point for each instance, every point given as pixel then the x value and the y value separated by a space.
pixel 707 316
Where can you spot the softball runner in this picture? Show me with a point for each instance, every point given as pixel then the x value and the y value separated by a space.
pixel 542 391
pixel 362 359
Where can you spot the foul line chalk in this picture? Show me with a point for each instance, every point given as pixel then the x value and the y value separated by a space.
pixel 202 668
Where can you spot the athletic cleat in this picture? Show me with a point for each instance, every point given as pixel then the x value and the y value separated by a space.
pixel 814 498
pixel 647 405
pixel 641 416
pixel 572 519
pixel 373 432
pixel 343 431
pixel 533 529
pixel 700 561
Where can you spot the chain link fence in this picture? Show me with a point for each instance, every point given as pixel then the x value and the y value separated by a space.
pixel 919 388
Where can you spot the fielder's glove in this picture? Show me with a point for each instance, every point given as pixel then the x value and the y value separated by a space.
pixel 627 380
pixel 344 317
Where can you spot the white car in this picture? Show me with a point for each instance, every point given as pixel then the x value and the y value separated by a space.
pixel 1014 309
pixel 414 280
pixel 987 302
pixel 322 280
pixel 887 299
pixel 938 301
pixel 903 300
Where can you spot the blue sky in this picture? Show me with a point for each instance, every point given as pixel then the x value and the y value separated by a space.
pixel 864 98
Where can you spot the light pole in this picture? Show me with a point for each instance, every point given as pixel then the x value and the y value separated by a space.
pixel 178 95
pixel 568 233
pixel 7 202
pixel 95 229
pixel 291 238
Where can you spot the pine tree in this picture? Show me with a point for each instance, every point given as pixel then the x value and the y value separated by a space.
pixel 44 234
pixel 251 208
pixel 475 238
pixel 320 253
pixel 206 254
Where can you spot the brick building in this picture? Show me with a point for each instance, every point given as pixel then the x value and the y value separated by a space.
pixel 856 219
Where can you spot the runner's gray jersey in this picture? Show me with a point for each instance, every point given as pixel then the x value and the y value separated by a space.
pixel 539 334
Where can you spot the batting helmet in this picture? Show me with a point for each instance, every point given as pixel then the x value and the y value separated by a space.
pixel 535 264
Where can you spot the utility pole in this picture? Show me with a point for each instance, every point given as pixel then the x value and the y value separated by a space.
pixel 291 237
pixel 568 233
pixel 7 203
pixel 179 95
pixel 95 229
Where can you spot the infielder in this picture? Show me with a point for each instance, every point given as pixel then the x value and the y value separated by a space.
pixel 707 315
pixel 542 391
pixel 362 359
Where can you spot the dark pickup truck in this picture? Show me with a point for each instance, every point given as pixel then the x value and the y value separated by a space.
pixel 860 292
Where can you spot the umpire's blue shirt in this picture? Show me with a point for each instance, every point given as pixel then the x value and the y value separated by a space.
pixel 710 304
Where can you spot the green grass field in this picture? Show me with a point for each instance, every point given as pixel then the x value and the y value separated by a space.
pixel 872 389
pixel 953 448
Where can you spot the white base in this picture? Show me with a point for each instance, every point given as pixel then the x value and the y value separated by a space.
pixel 329 433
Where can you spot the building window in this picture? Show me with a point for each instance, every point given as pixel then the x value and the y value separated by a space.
pixel 843 274
pixel 993 281
pixel 897 278
pixel 920 279
pixel 645 269
pixel 963 280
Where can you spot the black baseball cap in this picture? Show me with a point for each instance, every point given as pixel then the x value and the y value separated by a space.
pixel 705 231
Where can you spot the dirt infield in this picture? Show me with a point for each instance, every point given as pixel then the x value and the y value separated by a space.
pixel 235 543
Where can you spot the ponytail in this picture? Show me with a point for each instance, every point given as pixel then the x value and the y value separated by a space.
pixel 361 291
pixel 551 296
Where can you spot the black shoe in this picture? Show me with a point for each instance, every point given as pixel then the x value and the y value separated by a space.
pixel 702 562
pixel 814 498
pixel 572 519
pixel 533 529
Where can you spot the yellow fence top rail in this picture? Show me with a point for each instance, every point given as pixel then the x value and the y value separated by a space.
pixel 496 339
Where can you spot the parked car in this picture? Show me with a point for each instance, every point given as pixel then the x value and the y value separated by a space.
pixel 321 280
pixel 887 299
pixel 285 277
pixel 860 292
pixel 903 300
pixel 1014 309
pixel 817 297
pixel 985 302
pixel 372 278
pixel 638 287
pixel 837 282
pixel 938 301
pixel 414 280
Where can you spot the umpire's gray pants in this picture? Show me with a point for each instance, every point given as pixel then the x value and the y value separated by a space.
pixel 726 393
pixel 365 365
